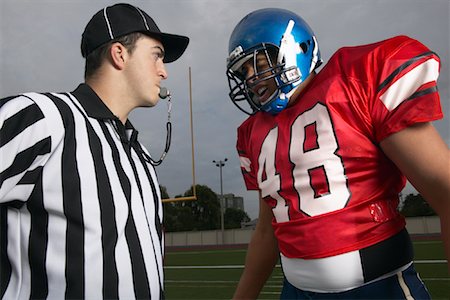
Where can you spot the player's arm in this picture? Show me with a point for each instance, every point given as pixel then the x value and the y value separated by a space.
pixel 421 154
pixel 262 255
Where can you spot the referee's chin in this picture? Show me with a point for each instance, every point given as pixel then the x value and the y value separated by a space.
pixel 149 103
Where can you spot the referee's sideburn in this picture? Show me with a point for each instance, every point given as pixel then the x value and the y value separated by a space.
pixel 80 205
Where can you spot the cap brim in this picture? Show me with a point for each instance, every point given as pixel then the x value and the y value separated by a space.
pixel 174 46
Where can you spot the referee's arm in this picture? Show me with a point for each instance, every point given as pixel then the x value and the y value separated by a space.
pixel 25 146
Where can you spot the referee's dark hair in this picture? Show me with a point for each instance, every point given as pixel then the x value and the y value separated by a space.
pixel 95 59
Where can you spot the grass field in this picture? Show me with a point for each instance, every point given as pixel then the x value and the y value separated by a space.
pixel 213 274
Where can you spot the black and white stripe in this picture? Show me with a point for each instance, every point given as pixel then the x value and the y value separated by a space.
pixel 80 211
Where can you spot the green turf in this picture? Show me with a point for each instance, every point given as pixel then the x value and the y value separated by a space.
pixel 212 281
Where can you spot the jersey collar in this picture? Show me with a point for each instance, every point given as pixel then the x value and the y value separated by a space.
pixel 94 106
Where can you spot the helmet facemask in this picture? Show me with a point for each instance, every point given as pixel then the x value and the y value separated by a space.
pixel 268 82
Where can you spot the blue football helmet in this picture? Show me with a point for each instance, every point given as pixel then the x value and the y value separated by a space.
pixel 291 52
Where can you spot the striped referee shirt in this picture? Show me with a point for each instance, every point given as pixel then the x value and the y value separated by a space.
pixel 80 206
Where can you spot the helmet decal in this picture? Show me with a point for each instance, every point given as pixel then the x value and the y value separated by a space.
pixel 288 51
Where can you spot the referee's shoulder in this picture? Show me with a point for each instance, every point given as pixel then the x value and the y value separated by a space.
pixel 31 98
pixel 19 97
pixel 30 108
pixel 5 100
pixel 16 102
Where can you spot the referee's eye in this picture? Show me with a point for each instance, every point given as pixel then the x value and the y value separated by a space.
pixel 158 53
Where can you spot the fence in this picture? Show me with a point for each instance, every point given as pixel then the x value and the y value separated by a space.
pixel 415 226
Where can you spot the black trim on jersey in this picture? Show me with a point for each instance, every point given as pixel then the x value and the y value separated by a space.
pixel 386 256
pixel 17 123
pixel 38 239
pixel 402 67
pixel 72 207
pixel 423 92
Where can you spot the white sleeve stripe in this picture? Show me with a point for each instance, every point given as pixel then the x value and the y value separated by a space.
pixel 403 88
pixel 245 163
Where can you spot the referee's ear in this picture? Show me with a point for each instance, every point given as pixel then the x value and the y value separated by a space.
pixel 119 55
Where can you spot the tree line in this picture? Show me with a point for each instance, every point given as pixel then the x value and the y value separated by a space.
pixel 414 205
pixel 204 213
pixel 200 214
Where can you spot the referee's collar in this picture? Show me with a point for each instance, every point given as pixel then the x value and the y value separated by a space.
pixel 94 106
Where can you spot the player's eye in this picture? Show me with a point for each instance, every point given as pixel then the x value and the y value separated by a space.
pixel 242 73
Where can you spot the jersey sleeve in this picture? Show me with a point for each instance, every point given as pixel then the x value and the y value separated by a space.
pixel 247 167
pixel 404 86
pixel 25 146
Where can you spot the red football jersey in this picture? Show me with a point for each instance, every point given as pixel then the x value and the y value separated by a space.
pixel 318 163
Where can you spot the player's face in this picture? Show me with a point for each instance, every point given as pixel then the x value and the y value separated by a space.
pixel 259 88
pixel 145 71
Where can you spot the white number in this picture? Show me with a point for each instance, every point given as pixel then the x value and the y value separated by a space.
pixel 323 157
pixel 319 176
pixel 268 180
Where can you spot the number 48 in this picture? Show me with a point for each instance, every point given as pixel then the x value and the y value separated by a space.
pixel 318 172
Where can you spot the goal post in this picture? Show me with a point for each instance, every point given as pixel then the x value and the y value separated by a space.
pixel 194 192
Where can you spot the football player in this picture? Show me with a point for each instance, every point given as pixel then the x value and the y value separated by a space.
pixel 329 152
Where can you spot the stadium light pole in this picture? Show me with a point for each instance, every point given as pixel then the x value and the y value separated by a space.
pixel 220 164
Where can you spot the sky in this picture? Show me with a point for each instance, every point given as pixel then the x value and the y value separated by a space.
pixel 40 51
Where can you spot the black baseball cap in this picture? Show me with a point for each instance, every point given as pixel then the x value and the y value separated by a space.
pixel 121 19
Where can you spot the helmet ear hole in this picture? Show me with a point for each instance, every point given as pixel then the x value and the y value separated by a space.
pixel 304 46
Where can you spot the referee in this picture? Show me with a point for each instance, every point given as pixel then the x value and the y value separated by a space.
pixel 80 206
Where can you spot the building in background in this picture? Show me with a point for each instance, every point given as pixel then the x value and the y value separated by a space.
pixel 232 201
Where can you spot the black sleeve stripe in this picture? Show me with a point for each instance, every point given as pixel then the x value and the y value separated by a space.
pixel 30 177
pixel 423 92
pixel 14 125
pixel 397 71
pixel 25 158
